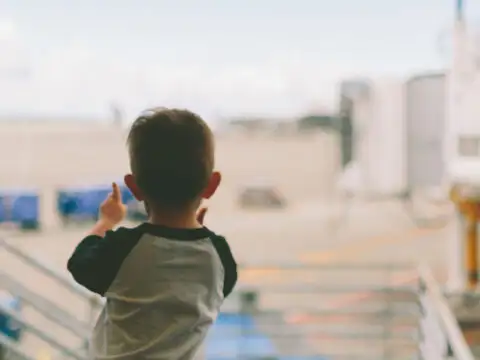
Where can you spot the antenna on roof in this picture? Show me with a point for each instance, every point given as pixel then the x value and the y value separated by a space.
pixel 459 13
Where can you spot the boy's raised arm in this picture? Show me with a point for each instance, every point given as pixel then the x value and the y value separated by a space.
pixel 97 259
pixel 112 212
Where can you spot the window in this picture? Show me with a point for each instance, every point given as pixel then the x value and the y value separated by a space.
pixel 469 146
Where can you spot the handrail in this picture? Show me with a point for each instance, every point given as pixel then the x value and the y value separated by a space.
pixel 46 307
pixel 41 334
pixel 93 299
pixel 317 327
pixel 400 335
pixel 333 289
pixel 294 265
pixel 63 280
pixel 437 305
pixel 8 345
pixel 456 340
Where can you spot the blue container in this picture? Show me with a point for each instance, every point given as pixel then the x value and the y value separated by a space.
pixel 84 202
pixel 9 327
pixel 20 206
pixel 67 203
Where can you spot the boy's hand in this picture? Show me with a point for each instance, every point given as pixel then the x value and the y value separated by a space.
pixel 112 210
pixel 201 214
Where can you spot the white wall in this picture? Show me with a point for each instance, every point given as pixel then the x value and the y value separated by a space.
pixel 463 106
pixel 48 156
pixel 53 154
pixel 379 149
pixel 464 120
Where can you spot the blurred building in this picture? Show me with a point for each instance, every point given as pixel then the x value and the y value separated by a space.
pixel 373 137
pixel 349 91
pixel 392 134
pixel 39 152
pixel 55 153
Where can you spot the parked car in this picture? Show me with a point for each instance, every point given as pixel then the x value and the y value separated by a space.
pixel 261 196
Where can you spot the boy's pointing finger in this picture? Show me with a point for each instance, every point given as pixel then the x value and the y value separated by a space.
pixel 116 192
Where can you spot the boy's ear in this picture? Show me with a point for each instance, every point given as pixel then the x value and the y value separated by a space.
pixel 132 186
pixel 212 186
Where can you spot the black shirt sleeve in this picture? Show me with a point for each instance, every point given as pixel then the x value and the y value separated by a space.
pixel 228 262
pixel 95 262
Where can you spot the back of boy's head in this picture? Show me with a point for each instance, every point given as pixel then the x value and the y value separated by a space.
pixel 171 156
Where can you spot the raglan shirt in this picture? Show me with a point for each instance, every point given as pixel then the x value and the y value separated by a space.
pixel 163 289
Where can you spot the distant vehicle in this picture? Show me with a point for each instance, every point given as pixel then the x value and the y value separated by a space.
pixel 261 195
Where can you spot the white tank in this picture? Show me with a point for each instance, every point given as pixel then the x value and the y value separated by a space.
pixel 425 126
pixel 379 145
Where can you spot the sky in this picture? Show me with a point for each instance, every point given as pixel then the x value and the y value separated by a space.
pixel 279 58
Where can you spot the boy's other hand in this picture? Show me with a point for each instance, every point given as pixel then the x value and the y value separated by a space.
pixel 201 215
pixel 113 210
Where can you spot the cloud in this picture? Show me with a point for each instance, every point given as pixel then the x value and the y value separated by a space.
pixel 13 58
pixel 7 30
pixel 76 80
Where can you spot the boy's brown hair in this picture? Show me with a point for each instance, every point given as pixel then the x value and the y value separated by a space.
pixel 171 156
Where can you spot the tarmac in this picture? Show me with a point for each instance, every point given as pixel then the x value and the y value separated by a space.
pixel 309 256
pixel 319 254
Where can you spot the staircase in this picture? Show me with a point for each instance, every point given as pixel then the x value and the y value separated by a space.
pixel 327 312
pixel 342 311
pixel 11 351
pixel 49 330
pixel 347 311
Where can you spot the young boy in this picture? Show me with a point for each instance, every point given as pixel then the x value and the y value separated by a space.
pixel 163 281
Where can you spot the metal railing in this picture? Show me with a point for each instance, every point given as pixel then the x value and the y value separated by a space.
pixel 42 334
pixel 343 311
pixel 10 351
pixel 442 336
pixel 93 300
pixel 377 312
pixel 43 304
pixel 466 307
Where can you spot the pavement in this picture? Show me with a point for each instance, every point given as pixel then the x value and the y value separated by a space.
pixel 302 258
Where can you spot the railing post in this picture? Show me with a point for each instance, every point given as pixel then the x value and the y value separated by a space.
pixel 441 334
